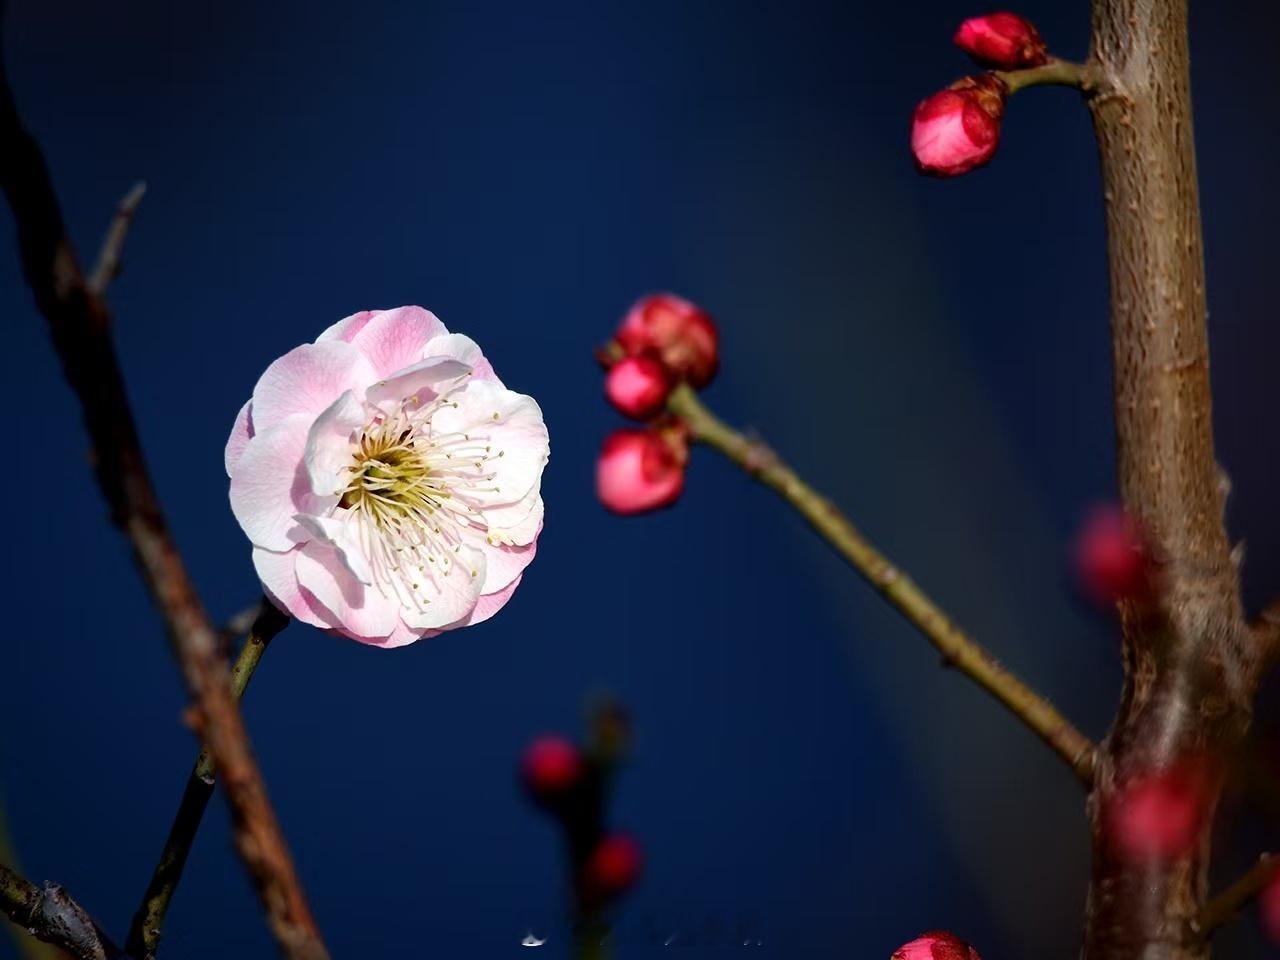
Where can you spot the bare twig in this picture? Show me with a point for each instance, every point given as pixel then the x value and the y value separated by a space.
pixel 958 649
pixel 80 322
pixel 1061 73
pixel 144 933
pixel 108 267
pixel 1232 900
pixel 51 915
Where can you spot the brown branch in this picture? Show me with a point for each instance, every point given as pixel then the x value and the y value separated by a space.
pixel 1232 900
pixel 51 915
pixel 80 324
pixel 1191 665
pixel 957 648
pixel 108 267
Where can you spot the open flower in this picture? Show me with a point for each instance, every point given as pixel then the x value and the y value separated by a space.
pixel 389 482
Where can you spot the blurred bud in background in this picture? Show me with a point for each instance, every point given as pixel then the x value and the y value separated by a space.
pixel 641 469
pixel 1110 557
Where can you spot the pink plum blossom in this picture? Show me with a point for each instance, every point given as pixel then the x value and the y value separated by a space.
pixel 388 481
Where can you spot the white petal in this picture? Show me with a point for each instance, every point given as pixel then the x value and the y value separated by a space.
pixel 338 534
pixel 330 444
pixel 271 485
pixel 358 610
pixel 387 394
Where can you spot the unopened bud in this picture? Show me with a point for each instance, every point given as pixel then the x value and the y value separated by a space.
pixel 1004 41
pixel 551 768
pixel 637 387
pixel 936 945
pixel 611 869
pixel 1110 557
pixel 640 470
pixel 958 129
pixel 678 333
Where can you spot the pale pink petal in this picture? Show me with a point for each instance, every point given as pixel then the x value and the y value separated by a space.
pixel 276 571
pixel 463 348
pixel 414 379
pixel 445 595
pixel 348 327
pixel 505 564
pixel 337 534
pixel 241 433
pixel 511 423
pixel 394 339
pixel 270 486
pixel 330 444
pixel 516 523
pixel 401 636
pixel 358 610
pixel 307 379
pixel 490 603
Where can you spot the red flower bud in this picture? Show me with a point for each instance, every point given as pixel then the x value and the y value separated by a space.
pixel 637 386
pixel 1110 558
pixel 1004 41
pixel 640 470
pixel 958 129
pixel 675 331
pixel 612 868
pixel 1158 816
pixel 936 945
pixel 552 766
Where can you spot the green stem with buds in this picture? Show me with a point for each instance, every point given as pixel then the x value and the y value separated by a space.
pixel 957 648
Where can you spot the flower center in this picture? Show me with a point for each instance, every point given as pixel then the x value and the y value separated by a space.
pixel 412 493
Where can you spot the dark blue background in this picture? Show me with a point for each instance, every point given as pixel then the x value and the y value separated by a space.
pixel 933 355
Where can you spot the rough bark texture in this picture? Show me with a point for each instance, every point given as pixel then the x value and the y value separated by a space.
pixel 1191 663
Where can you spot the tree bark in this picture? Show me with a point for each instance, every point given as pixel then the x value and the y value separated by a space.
pixel 1191 664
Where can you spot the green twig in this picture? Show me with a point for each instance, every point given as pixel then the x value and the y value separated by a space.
pixel 958 649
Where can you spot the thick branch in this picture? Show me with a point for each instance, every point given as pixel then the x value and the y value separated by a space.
pixel 958 649
pixel 79 322
pixel 1231 901
pixel 49 914
pixel 144 934
pixel 1191 664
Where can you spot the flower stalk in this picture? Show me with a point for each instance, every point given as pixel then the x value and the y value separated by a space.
pixel 958 650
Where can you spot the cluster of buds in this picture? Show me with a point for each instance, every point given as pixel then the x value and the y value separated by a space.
pixel 570 781
pixel 662 343
pixel 958 129
pixel 936 945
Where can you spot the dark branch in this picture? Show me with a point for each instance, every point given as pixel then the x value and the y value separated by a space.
pixel 51 915
pixel 80 323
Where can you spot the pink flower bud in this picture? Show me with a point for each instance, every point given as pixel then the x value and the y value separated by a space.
pixel 936 945
pixel 640 470
pixel 612 868
pixel 958 129
pixel 552 766
pixel 637 386
pixel 675 331
pixel 1004 41
pixel 1158 816
pixel 1110 557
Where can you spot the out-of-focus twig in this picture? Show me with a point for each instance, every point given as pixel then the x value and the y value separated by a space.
pixel 144 933
pixel 957 648
pixel 51 915
pixel 1232 900
pixel 80 324
pixel 108 267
